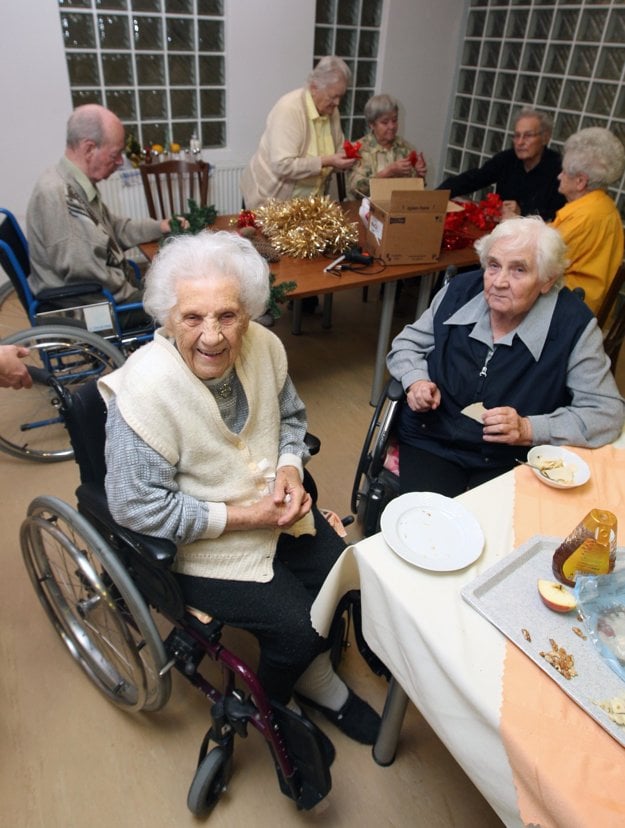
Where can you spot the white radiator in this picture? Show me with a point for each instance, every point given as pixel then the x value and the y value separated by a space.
pixel 123 192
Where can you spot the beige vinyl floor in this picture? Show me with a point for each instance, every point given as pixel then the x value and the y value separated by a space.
pixel 68 758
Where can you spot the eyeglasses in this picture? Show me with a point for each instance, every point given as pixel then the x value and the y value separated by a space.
pixel 525 136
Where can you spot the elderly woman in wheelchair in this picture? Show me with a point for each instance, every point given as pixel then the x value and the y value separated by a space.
pixel 504 358
pixel 205 446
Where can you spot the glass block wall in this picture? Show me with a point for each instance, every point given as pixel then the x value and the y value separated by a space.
pixel 566 57
pixel 350 29
pixel 158 64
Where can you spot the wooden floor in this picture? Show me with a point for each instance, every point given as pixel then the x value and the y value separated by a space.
pixel 69 758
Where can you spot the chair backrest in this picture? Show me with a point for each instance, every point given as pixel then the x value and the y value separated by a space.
pixel 84 413
pixel 607 305
pixel 613 339
pixel 14 257
pixel 169 185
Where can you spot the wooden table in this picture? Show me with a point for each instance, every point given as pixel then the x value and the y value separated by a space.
pixel 312 280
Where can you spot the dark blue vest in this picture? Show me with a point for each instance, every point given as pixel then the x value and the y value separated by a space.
pixel 512 377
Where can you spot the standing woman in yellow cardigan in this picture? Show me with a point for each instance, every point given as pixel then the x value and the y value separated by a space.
pixel 589 222
pixel 303 140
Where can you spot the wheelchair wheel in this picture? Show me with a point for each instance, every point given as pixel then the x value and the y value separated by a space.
pixel 210 781
pixel 31 422
pixel 374 448
pixel 94 606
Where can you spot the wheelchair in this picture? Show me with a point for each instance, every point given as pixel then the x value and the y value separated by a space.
pixel 71 340
pixel 98 582
pixel 376 481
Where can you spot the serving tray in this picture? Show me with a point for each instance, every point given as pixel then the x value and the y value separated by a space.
pixel 506 595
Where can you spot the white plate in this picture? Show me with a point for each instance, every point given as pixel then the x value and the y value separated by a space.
pixel 581 472
pixel 432 531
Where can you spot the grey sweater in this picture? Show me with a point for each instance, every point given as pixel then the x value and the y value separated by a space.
pixel 73 237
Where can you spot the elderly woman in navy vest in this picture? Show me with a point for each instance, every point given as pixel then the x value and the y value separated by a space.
pixel 511 339
pixel 205 446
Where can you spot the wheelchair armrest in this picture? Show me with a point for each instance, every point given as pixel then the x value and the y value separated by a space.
pixel 67 291
pixel 92 503
pixel 313 443
pixel 394 390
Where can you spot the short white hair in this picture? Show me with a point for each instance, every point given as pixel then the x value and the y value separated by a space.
pixel 206 256
pixel 328 71
pixel 596 153
pixel 529 233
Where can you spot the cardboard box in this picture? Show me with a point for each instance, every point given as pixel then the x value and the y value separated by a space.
pixel 405 223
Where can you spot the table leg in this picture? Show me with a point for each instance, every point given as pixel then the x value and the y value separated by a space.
pixel 395 705
pixel 425 290
pixel 327 311
pixel 296 323
pixel 384 335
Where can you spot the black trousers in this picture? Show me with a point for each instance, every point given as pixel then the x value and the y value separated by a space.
pixel 422 471
pixel 276 612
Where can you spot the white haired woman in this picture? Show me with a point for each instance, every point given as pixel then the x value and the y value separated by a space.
pixel 383 153
pixel 589 223
pixel 303 140
pixel 511 338
pixel 205 446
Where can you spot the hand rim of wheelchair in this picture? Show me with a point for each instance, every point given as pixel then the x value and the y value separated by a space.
pixel 91 346
pixel 134 685
pixel 370 462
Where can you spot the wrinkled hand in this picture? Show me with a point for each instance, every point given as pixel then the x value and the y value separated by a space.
pixel 13 372
pixel 166 224
pixel 505 425
pixel 423 395
pixel 401 168
pixel 290 496
pixel 339 161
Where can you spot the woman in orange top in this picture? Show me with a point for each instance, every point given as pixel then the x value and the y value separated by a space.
pixel 589 223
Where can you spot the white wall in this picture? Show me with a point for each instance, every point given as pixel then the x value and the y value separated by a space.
pixel 269 47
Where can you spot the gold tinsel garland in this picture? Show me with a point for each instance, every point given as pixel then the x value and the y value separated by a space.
pixel 306 227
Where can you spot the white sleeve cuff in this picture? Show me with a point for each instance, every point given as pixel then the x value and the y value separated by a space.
pixel 217 519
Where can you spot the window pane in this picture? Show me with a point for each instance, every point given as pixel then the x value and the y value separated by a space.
pixel 610 63
pixel 368 44
pixel 78 31
pixel 346 42
pixel 85 3
pixel 81 96
pixel 365 74
pixel 146 5
pixel 574 94
pixel 148 33
pixel 212 102
pixel 150 70
pixel 210 36
pixel 122 103
pixel 325 11
pixel 181 69
pixel 112 4
pixel 601 98
pixel 154 133
pixel 550 92
pixel 371 14
pixel 180 33
pixel 179 6
pixel 496 24
pixel 83 70
pixel 211 71
pixel 117 70
pixel 347 13
pixel 182 132
pixel 182 103
pixel 324 41
pixel 499 114
pixel 152 103
pixel 213 134
pixel 113 32
pixel 583 60
pixel 212 7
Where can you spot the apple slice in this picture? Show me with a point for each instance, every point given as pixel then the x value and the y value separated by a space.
pixel 556 596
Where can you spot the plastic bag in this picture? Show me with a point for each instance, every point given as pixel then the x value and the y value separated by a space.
pixel 601 602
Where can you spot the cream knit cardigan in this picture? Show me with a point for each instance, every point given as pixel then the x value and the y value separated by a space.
pixel 176 415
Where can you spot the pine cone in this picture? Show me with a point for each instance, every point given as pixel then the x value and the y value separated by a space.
pixel 266 250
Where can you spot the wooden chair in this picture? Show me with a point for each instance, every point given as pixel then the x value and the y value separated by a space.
pixel 169 185
pixel 603 314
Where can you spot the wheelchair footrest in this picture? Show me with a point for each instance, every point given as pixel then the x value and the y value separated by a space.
pixel 310 757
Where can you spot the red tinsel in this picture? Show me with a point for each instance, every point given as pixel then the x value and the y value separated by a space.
pixel 413 158
pixel 475 219
pixel 352 150
pixel 246 218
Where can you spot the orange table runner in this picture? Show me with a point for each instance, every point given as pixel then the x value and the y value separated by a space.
pixel 567 770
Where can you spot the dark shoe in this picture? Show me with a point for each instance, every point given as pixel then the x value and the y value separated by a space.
pixel 355 719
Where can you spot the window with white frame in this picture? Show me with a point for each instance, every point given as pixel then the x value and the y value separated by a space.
pixel 350 29
pixel 158 64
pixel 564 58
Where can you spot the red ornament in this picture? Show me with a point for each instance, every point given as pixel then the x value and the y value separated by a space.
pixel 460 226
pixel 413 158
pixel 352 150
pixel 246 218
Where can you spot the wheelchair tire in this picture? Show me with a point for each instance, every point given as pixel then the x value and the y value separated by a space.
pixel 210 781
pixel 31 422
pixel 94 606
